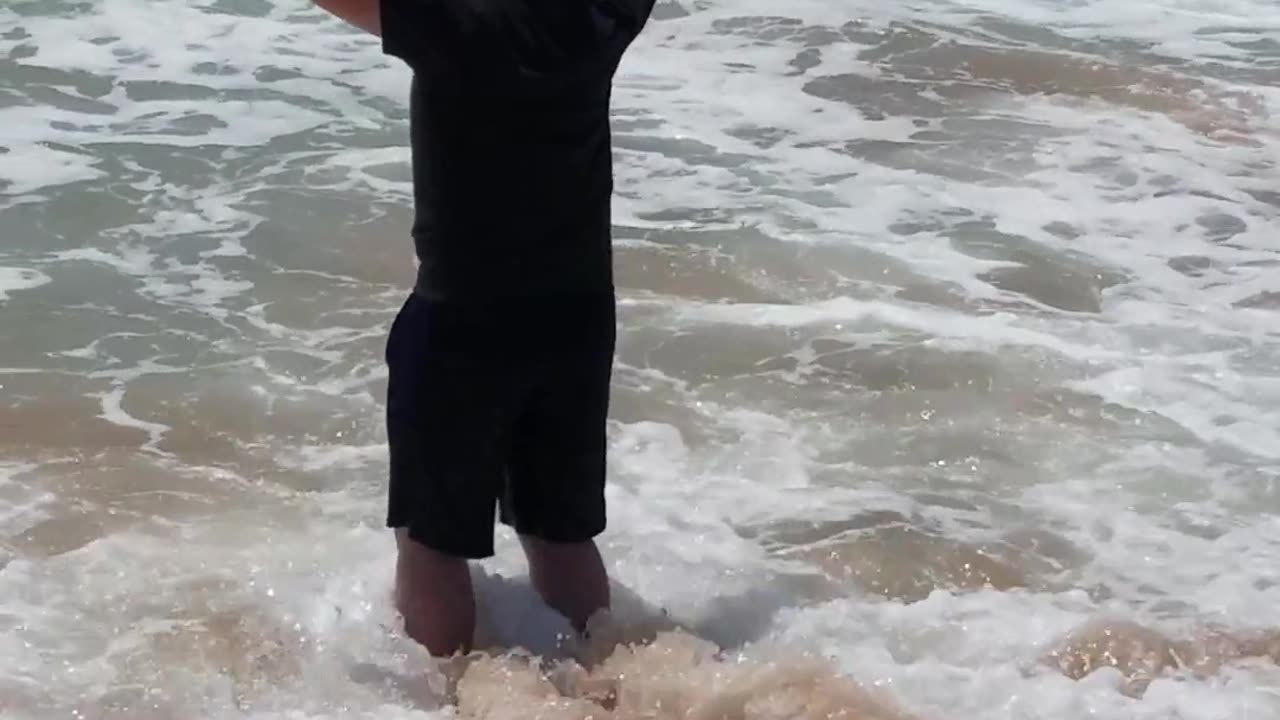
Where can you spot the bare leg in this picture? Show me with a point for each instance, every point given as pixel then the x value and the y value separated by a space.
pixel 434 594
pixel 570 577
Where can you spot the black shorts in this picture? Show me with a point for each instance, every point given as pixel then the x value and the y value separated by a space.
pixel 499 406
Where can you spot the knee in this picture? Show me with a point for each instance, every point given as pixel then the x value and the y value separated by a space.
pixel 536 548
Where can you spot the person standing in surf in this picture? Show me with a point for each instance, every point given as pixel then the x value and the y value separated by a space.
pixel 500 359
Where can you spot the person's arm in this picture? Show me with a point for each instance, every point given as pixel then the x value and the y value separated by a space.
pixel 364 14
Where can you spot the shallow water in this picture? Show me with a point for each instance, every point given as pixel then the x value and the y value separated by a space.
pixel 947 329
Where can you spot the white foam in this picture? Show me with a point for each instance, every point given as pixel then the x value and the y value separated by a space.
pixel 1172 25
pixel 134 260
pixel 31 168
pixel 21 506
pixel 990 643
pixel 313 458
pixel 17 279
pixel 114 412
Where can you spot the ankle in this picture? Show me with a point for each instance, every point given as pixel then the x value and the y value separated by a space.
pixel 440 642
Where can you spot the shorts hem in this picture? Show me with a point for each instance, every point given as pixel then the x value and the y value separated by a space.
pixel 443 544
pixel 557 536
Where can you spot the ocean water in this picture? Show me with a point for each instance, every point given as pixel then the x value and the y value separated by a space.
pixel 949 366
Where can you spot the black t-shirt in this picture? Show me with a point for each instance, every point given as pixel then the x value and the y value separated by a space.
pixel 509 123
